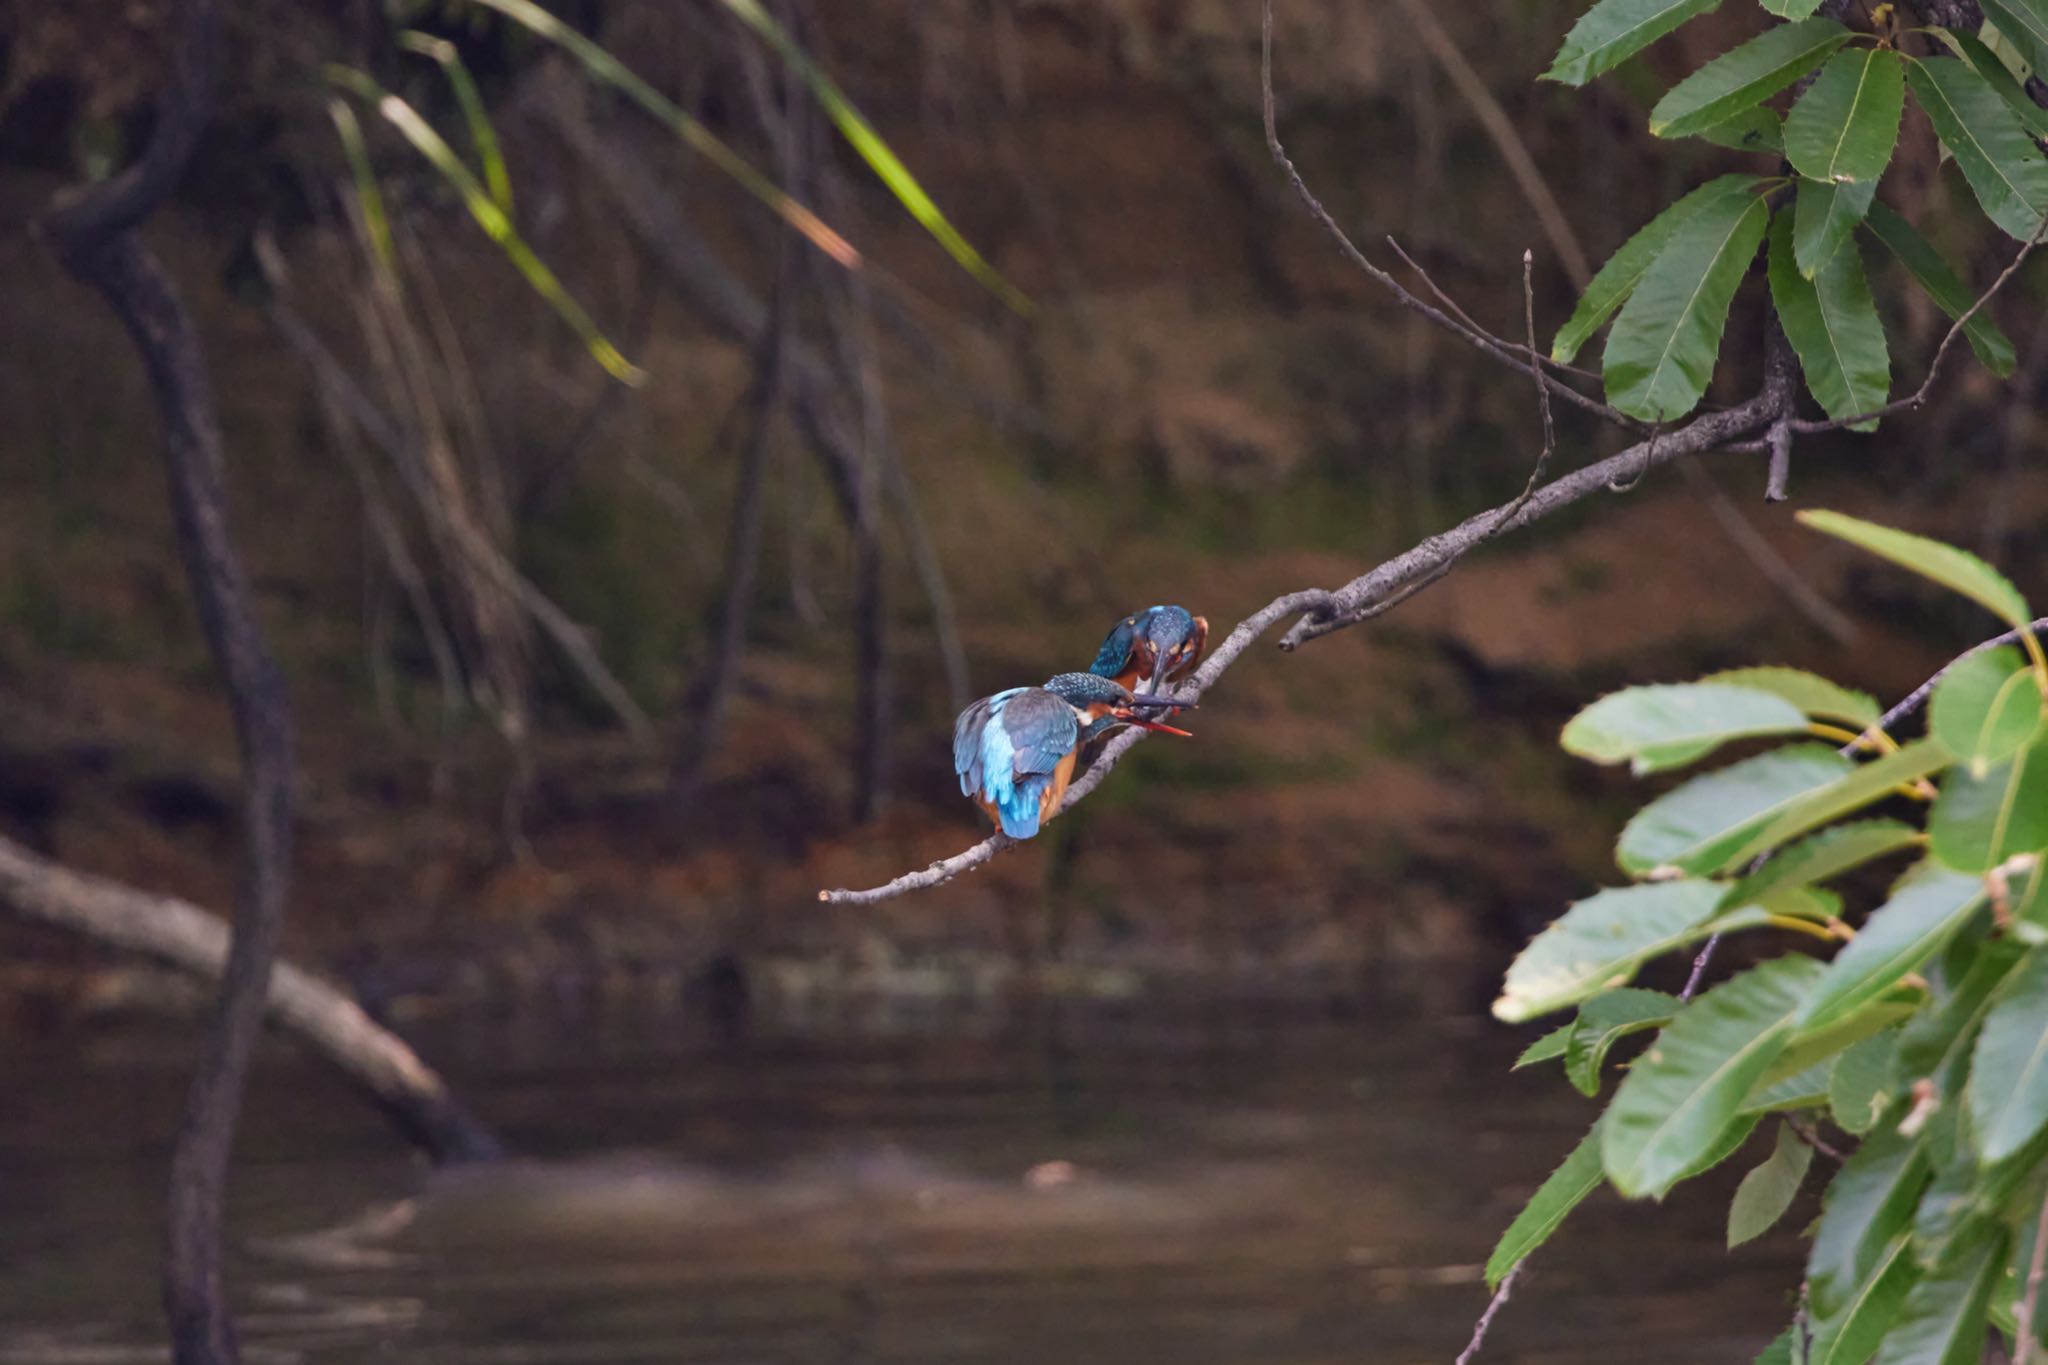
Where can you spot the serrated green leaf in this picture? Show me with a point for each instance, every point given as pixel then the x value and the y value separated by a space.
pixel 1745 76
pixel 1900 935
pixel 1779 1352
pixel 1757 129
pixel 1991 345
pixel 1870 782
pixel 1826 854
pixel 1614 30
pixel 1957 570
pixel 1604 1021
pixel 1547 1048
pixel 1978 822
pixel 1986 63
pixel 1687 1088
pixel 1865 1214
pixel 1986 707
pixel 1565 1190
pixel 1790 9
pixel 1803 1089
pixel 2004 167
pixel 1859 1085
pixel 1845 126
pixel 2009 1073
pixel 1851 1336
pixel 1601 942
pixel 1824 217
pixel 1936 1043
pixel 1767 1189
pixel 1617 279
pixel 1829 1041
pixel 2024 23
pixel 1636 720
pixel 1810 692
pixel 1660 355
pixel 1942 1320
pixel 1693 826
pixel 1832 323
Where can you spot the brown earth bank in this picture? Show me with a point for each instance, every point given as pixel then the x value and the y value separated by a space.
pixel 1208 408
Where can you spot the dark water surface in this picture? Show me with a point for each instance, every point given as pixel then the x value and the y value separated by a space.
pixel 1238 1187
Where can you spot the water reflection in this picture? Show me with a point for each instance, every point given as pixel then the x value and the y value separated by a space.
pixel 1098 1186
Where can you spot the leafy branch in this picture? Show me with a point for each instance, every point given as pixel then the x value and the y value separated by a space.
pixel 1703 245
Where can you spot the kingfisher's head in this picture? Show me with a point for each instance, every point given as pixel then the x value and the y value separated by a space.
pixel 1103 703
pixel 1175 637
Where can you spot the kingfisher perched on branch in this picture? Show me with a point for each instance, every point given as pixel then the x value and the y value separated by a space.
pixel 1158 645
pixel 1015 751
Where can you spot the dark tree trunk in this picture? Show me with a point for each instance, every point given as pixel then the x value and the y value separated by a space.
pixel 94 235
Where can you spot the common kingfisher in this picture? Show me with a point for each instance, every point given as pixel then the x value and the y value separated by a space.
pixel 1015 751
pixel 1159 644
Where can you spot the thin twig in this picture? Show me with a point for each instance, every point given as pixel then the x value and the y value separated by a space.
pixel 1505 352
pixel 1423 23
pixel 1918 398
pixel 1914 699
pixel 1807 1134
pixel 1479 1328
pixel 1699 968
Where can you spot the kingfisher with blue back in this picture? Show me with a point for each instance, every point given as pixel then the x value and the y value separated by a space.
pixel 1159 645
pixel 1015 752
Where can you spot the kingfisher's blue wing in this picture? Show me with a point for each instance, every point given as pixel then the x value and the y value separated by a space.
pixel 967 738
pixel 1023 740
pixel 1041 729
pixel 1115 655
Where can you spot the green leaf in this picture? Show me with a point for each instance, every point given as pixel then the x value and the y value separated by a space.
pixel 1826 854
pixel 1986 64
pixel 1768 1189
pixel 603 66
pixel 1824 216
pixel 1790 9
pixel 1870 782
pixel 1900 935
pixel 1684 1091
pixel 1810 692
pixel 1604 1021
pixel 1618 278
pixel 1640 720
pixel 1660 355
pixel 1957 570
pixel 1851 1336
pixel 2004 167
pixel 2009 1074
pixel 1979 822
pixel 1859 1086
pixel 1753 130
pixel 1986 707
pixel 1868 1207
pixel 887 166
pixel 1692 827
pixel 1991 345
pixel 1942 1322
pixel 1564 1191
pixel 1804 1089
pixel 1745 76
pixel 1935 1044
pixel 489 216
pixel 1826 1043
pixel 1547 1048
pixel 1832 323
pixel 1845 126
pixel 1614 30
pixel 1779 1352
pixel 1600 942
pixel 2022 22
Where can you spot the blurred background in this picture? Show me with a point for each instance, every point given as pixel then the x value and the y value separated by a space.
pixel 598 684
